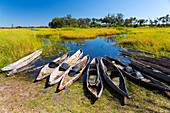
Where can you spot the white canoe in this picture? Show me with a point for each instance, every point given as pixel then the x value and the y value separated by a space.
pixel 75 72
pixel 23 61
pixel 47 69
pixel 58 73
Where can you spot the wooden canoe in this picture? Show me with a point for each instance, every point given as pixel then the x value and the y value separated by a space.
pixel 143 53
pixel 75 72
pixel 48 69
pixel 58 73
pixel 162 61
pixel 114 77
pixel 146 80
pixel 94 81
pixel 154 65
pixel 150 71
pixel 23 61
pixel 131 52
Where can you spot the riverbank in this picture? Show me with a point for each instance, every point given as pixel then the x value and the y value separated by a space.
pixel 16 43
pixel 75 33
pixel 154 40
pixel 19 94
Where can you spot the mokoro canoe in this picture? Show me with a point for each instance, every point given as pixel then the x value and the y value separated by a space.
pixel 155 61
pixel 150 71
pixel 131 52
pixel 50 67
pixel 74 73
pixel 138 77
pixel 114 77
pixel 23 61
pixel 156 66
pixel 58 73
pixel 162 61
pixel 143 53
pixel 94 81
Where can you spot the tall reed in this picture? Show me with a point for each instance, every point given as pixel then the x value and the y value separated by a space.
pixel 155 40
pixel 15 43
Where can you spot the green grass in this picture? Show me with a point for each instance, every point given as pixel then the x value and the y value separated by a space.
pixel 74 33
pixel 19 94
pixel 16 43
pixel 155 40
pixel 27 96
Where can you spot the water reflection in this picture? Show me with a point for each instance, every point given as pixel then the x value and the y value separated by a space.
pixel 98 47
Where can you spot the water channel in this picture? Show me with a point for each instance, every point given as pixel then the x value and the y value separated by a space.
pixel 98 47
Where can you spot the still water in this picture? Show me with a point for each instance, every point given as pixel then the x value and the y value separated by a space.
pixel 98 47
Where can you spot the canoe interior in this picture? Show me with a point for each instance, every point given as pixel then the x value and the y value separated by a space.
pixel 147 82
pixel 114 77
pixel 94 82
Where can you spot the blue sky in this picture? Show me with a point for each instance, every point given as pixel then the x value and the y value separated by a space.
pixel 41 12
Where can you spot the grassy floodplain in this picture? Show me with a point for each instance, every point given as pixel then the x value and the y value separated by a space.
pixel 19 94
pixel 16 43
pixel 155 40
pixel 74 33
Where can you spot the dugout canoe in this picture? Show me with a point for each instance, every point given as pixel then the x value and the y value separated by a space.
pixel 50 67
pixel 150 71
pixel 74 73
pixel 23 61
pixel 138 77
pixel 154 65
pixel 143 53
pixel 162 61
pixel 114 77
pixel 58 73
pixel 94 81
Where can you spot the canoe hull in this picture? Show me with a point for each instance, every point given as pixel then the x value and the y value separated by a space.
pixel 121 89
pixel 46 70
pixel 156 84
pixel 65 83
pixel 57 74
pixel 97 90
pixel 158 75
pixel 23 61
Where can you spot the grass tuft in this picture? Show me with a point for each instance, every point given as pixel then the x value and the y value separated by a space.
pixel 155 40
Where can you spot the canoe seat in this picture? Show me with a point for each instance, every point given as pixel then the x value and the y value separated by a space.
pixel 53 65
pixel 74 70
pixel 114 73
pixel 128 69
pixel 93 80
pixel 137 74
pixel 64 67
pixel 145 80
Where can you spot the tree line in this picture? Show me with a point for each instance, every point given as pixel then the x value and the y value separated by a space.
pixel 114 20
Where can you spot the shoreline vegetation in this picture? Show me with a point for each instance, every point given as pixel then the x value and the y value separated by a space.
pixel 16 43
pixel 154 40
pixel 13 41
pixel 19 93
